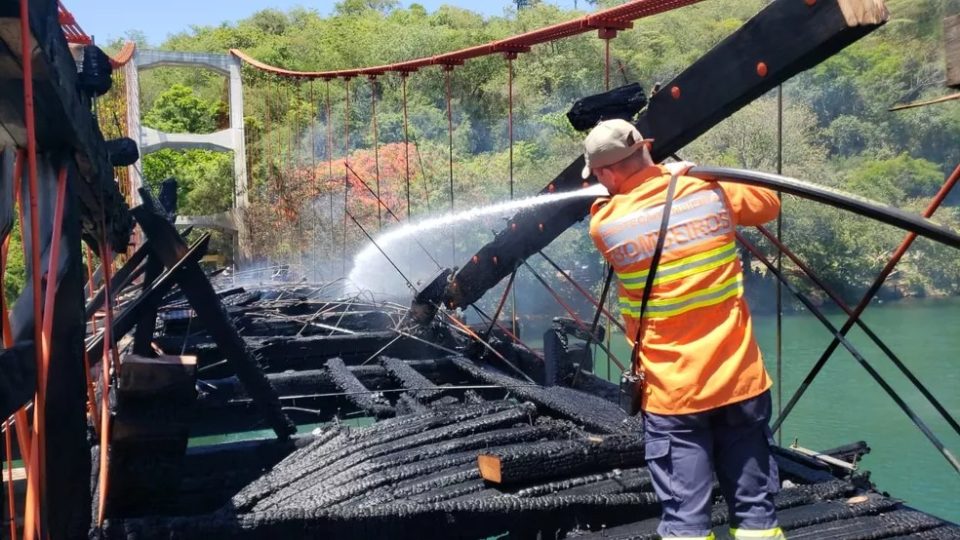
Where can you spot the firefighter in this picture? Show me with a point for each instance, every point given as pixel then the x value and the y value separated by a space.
pixel 705 395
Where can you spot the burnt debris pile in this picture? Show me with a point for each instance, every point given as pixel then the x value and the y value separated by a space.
pixel 423 435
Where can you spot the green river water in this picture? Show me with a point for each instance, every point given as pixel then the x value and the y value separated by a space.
pixel 845 405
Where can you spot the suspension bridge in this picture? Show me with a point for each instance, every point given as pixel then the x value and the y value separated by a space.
pixel 83 356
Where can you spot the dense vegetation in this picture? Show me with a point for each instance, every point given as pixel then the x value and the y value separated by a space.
pixel 837 127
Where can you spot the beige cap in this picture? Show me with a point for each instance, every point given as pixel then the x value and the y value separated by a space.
pixel 609 142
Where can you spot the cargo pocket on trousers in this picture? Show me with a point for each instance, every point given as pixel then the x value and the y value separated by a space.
pixel 660 465
pixel 773 478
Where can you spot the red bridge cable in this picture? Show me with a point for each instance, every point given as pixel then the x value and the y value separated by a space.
pixel 346 172
pixel 619 18
pixel 11 505
pixel 38 450
pixel 313 135
pixel 376 145
pixel 447 71
pixel 20 417
pixel 329 151
pixel 406 141
pixel 329 132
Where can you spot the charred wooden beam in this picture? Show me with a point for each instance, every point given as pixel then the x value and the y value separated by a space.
pixel 146 325
pixel 153 406
pixel 18 377
pixel 589 411
pixel 421 387
pixel 345 443
pixel 347 382
pixel 64 122
pixel 169 248
pixel 782 40
pixel 522 464
pixel 307 352
pixel 125 320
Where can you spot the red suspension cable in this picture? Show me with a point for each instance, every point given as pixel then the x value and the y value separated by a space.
pixel 346 171
pixel 618 18
pixel 510 58
pixel 376 145
pixel 406 141
pixel 448 71
pixel 313 136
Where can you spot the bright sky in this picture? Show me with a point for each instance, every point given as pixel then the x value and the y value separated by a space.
pixel 107 20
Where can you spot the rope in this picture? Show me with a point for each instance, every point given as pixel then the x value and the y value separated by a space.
pixel 573 314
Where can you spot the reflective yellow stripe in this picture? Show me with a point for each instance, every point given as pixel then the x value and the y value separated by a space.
pixel 669 307
pixel 775 533
pixel 707 537
pixel 681 268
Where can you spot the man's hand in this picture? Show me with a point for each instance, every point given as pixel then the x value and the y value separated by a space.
pixel 679 168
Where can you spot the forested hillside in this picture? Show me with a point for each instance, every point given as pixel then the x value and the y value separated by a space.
pixel 837 127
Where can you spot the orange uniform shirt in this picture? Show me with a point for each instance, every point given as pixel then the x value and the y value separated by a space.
pixel 698 352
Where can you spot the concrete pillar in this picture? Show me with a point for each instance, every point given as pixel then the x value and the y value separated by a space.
pixel 230 139
pixel 239 142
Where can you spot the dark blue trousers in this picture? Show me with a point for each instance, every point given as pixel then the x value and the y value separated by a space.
pixel 683 452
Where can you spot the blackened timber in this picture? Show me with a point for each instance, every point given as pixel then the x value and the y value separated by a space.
pixel 124 321
pixel 306 352
pixel 592 412
pixel 119 281
pixel 169 248
pixel 143 336
pixel 64 122
pixel 524 463
pixel 356 392
pixel 421 387
pixel 786 37
pixel 154 404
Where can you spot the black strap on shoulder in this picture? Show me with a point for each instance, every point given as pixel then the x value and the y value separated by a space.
pixel 654 263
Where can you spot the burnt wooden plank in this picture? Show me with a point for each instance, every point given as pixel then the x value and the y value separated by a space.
pixel 155 400
pixel 18 378
pixel 169 248
pixel 786 36
pixel 143 336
